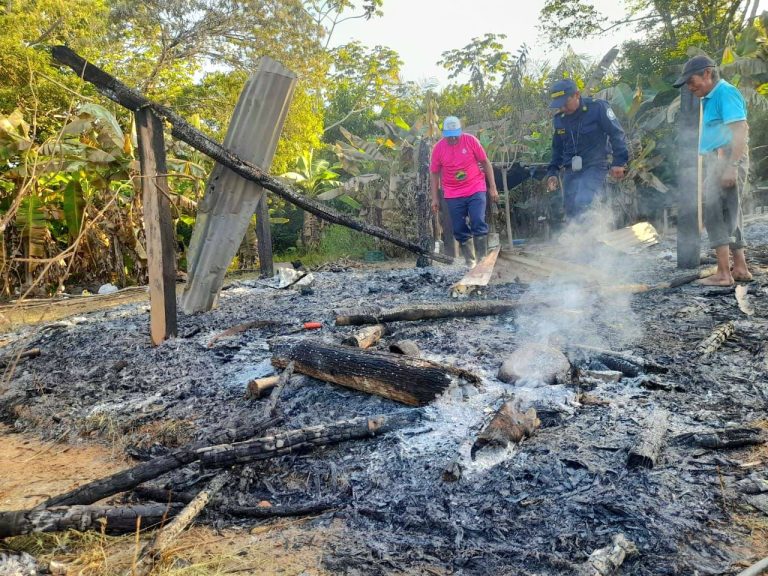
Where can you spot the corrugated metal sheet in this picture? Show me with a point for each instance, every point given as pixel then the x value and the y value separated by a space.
pixel 229 200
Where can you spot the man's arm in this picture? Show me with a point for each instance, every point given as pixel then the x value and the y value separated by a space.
pixel 740 130
pixel 488 169
pixel 610 125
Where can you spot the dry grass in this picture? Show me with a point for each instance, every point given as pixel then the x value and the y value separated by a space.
pixel 171 433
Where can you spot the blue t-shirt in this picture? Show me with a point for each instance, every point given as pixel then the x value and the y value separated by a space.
pixel 722 106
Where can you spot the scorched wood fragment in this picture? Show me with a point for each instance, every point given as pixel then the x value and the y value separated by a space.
pixel 304 439
pixel 127 479
pixel 646 453
pixel 509 425
pixel 409 380
pixel 374 315
pixel 720 334
pixel 724 439
pixel 366 337
pixel 119 519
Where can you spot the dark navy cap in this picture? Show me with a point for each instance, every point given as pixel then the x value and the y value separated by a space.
pixel 561 91
pixel 695 65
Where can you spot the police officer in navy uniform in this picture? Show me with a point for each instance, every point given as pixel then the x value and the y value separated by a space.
pixel 586 134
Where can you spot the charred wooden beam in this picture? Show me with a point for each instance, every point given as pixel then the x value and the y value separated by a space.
pixel 375 315
pixel 713 342
pixel 409 380
pixel 119 519
pixel 726 439
pixel 152 551
pixel 508 426
pixel 305 439
pixel 127 479
pixel 647 451
pixel 366 337
pixel 116 91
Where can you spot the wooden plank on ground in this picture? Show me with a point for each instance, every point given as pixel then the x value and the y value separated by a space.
pixel 158 226
pixel 478 276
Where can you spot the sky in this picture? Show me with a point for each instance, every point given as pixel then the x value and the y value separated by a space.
pixel 421 30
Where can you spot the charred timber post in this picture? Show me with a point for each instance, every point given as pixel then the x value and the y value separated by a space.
pixel 119 519
pixel 116 91
pixel 647 451
pixel 158 226
pixel 375 315
pixel 423 203
pixel 405 379
pixel 264 236
pixel 127 479
pixel 688 233
pixel 304 439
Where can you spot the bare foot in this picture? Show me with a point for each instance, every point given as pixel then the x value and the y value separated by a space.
pixel 741 275
pixel 717 280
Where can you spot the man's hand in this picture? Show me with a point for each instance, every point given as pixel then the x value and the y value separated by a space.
pixel 728 179
pixel 552 183
pixel 618 172
pixel 494 194
pixel 435 205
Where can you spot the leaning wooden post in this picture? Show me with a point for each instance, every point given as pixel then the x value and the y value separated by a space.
pixel 264 237
pixel 158 226
pixel 423 203
pixel 688 234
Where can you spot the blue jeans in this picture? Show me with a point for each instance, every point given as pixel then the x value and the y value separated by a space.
pixel 580 189
pixel 472 206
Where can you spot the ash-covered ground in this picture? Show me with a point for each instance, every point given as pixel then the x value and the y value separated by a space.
pixel 540 507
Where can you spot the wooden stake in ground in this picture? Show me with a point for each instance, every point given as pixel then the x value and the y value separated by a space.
pixel 412 381
pixel 375 315
pixel 153 550
pixel 305 438
pixel 119 519
pixel 647 451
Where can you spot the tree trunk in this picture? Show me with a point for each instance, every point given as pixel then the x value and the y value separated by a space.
pixel 304 439
pixel 375 315
pixel 405 379
pixel 118 92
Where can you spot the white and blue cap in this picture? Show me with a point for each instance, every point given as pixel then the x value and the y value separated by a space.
pixel 451 126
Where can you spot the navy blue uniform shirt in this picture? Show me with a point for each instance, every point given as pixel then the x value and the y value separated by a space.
pixel 592 132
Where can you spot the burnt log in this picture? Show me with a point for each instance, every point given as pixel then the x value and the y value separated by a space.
pixel 281 511
pixel 409 380
pixel 726 439
pixel 508 426
pixel 627 364
pixel 366 337
pixel 646 452
pixel 116 91
pixel 258 387
pixel 127 479
pixel 118 519
pixel 152 551
pixel 304 439
pixel 712 343
pixel 375 315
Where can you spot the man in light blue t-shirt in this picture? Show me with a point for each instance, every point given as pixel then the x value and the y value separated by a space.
pixel 723 143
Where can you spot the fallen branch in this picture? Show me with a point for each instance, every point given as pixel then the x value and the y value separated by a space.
pixel 412 381
pixel 713 342
pixel 304 439
pixel 116 91
pixel 119 519
pixel 13 358
pixel 152 551
pixel 646 452
pixel 127 479
pixel 281 511
pixel 374 315
pixel 723 439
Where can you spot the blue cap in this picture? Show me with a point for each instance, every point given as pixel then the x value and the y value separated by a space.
pixel 561 91
pixel 451 126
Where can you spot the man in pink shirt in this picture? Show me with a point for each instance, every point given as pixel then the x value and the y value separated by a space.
pixel 460 164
